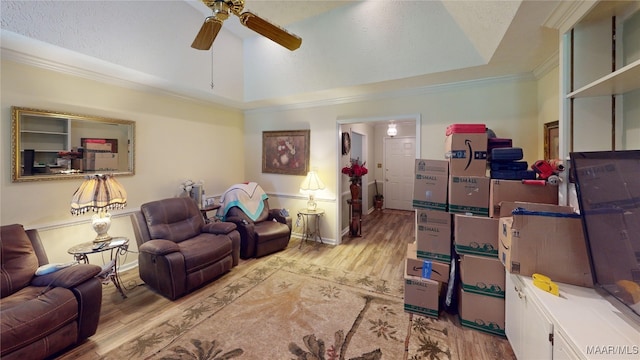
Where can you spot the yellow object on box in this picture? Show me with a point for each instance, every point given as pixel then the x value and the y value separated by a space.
pixel 545 283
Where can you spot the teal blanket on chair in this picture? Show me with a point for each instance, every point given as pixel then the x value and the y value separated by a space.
pixel 248 197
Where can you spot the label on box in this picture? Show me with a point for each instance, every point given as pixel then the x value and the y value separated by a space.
pixel 462 154
pixel 426 269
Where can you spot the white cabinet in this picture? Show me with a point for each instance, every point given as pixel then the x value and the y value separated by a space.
pixel 562 348
pixel 578 324
pixel 528 329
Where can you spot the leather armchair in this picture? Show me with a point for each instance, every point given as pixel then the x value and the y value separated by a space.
pixel 43 315
pixel 178 251
pixel 269 233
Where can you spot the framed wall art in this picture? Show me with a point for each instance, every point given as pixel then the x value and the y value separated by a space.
pixel 285 152
pixel 551 140
pixel 346 143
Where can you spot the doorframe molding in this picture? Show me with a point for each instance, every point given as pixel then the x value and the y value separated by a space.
pixel 416 117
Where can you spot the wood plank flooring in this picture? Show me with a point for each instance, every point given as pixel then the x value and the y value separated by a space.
pixel 379 252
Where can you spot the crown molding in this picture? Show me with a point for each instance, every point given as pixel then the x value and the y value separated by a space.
pixel 567 13
pixel 24 50
pixel 407 92
pixel 551 63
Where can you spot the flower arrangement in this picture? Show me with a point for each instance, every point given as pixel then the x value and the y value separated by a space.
pixel 184 189
pixel 286 154
pixel 355 170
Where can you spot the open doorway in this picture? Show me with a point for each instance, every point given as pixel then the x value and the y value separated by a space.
pixel 373 132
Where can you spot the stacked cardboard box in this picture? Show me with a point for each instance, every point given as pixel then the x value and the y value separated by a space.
pixel 515 190
pixel 424 280
pixel 545 239
pixel 430 184
pixel 100 154
pixel 466 149
pixel 481 294
pixel 428 257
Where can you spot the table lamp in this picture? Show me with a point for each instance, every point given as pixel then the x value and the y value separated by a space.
pixel 310 185
pixel 99 193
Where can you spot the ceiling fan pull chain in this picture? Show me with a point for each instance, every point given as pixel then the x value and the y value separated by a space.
pixel 212 84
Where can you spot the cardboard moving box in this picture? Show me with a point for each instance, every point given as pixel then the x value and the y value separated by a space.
pixel 433 235
pixel 547 242
pixel 469 195
pixel 467 154
pixel 475 235
pixel 433 270
pixel 483 313
pixel 430 184
pixel 97 161
pixel 516 190
pixel 421 296
pixel 482 275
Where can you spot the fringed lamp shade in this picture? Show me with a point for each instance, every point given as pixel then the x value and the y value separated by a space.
pixel 99 193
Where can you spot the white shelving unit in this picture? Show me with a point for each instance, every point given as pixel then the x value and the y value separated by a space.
pixel 44 135
pixel 618 82
pixel 599 110
pixel 599 78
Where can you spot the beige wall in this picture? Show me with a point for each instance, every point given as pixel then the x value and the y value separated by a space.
pixel 179 139
pixel 176 139
pixel 548 104
pixel 508 106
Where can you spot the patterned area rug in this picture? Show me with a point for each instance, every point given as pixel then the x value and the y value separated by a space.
pixel 282 309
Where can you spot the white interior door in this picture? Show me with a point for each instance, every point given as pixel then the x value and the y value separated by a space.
pixel 399 160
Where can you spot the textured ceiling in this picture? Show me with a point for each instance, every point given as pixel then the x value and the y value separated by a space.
pixel 279 12
pixel 350 48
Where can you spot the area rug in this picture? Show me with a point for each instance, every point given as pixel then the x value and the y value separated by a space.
pixel 282 309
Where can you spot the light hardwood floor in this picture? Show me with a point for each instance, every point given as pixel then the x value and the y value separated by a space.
pixel 379 252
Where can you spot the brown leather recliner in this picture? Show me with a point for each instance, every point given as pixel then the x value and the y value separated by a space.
pixel 43 315
pixel 178 252
pixel 269 233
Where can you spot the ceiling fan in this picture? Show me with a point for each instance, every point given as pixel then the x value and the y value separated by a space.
pixel 222 9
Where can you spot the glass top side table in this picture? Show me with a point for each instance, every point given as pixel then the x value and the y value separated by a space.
pixel 116 246
pixel 311 227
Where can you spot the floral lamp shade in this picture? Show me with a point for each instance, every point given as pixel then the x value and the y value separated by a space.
pixel 99 193
pixel 310 185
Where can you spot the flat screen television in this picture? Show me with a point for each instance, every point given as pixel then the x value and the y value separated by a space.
pixel 608 189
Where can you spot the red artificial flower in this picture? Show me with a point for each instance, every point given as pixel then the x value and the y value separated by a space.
pixel 355 170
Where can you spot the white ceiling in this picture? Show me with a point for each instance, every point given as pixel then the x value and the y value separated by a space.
pixel 350 48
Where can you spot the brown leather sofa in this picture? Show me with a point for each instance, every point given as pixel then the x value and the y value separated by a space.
pixel 269 233
pixel 178 251
pixel 43 315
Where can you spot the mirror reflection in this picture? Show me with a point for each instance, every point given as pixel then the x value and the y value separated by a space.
pixel 49 145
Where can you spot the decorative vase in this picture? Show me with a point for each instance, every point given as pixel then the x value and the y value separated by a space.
pixel 355 190
pixel 356 207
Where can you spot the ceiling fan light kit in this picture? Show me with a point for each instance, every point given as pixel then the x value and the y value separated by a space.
pixel 222 8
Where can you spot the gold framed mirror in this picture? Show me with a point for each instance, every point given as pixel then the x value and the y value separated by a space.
pixel 49 145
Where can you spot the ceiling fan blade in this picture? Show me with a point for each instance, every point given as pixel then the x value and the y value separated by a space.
pixel 271 31
pixel 207 33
